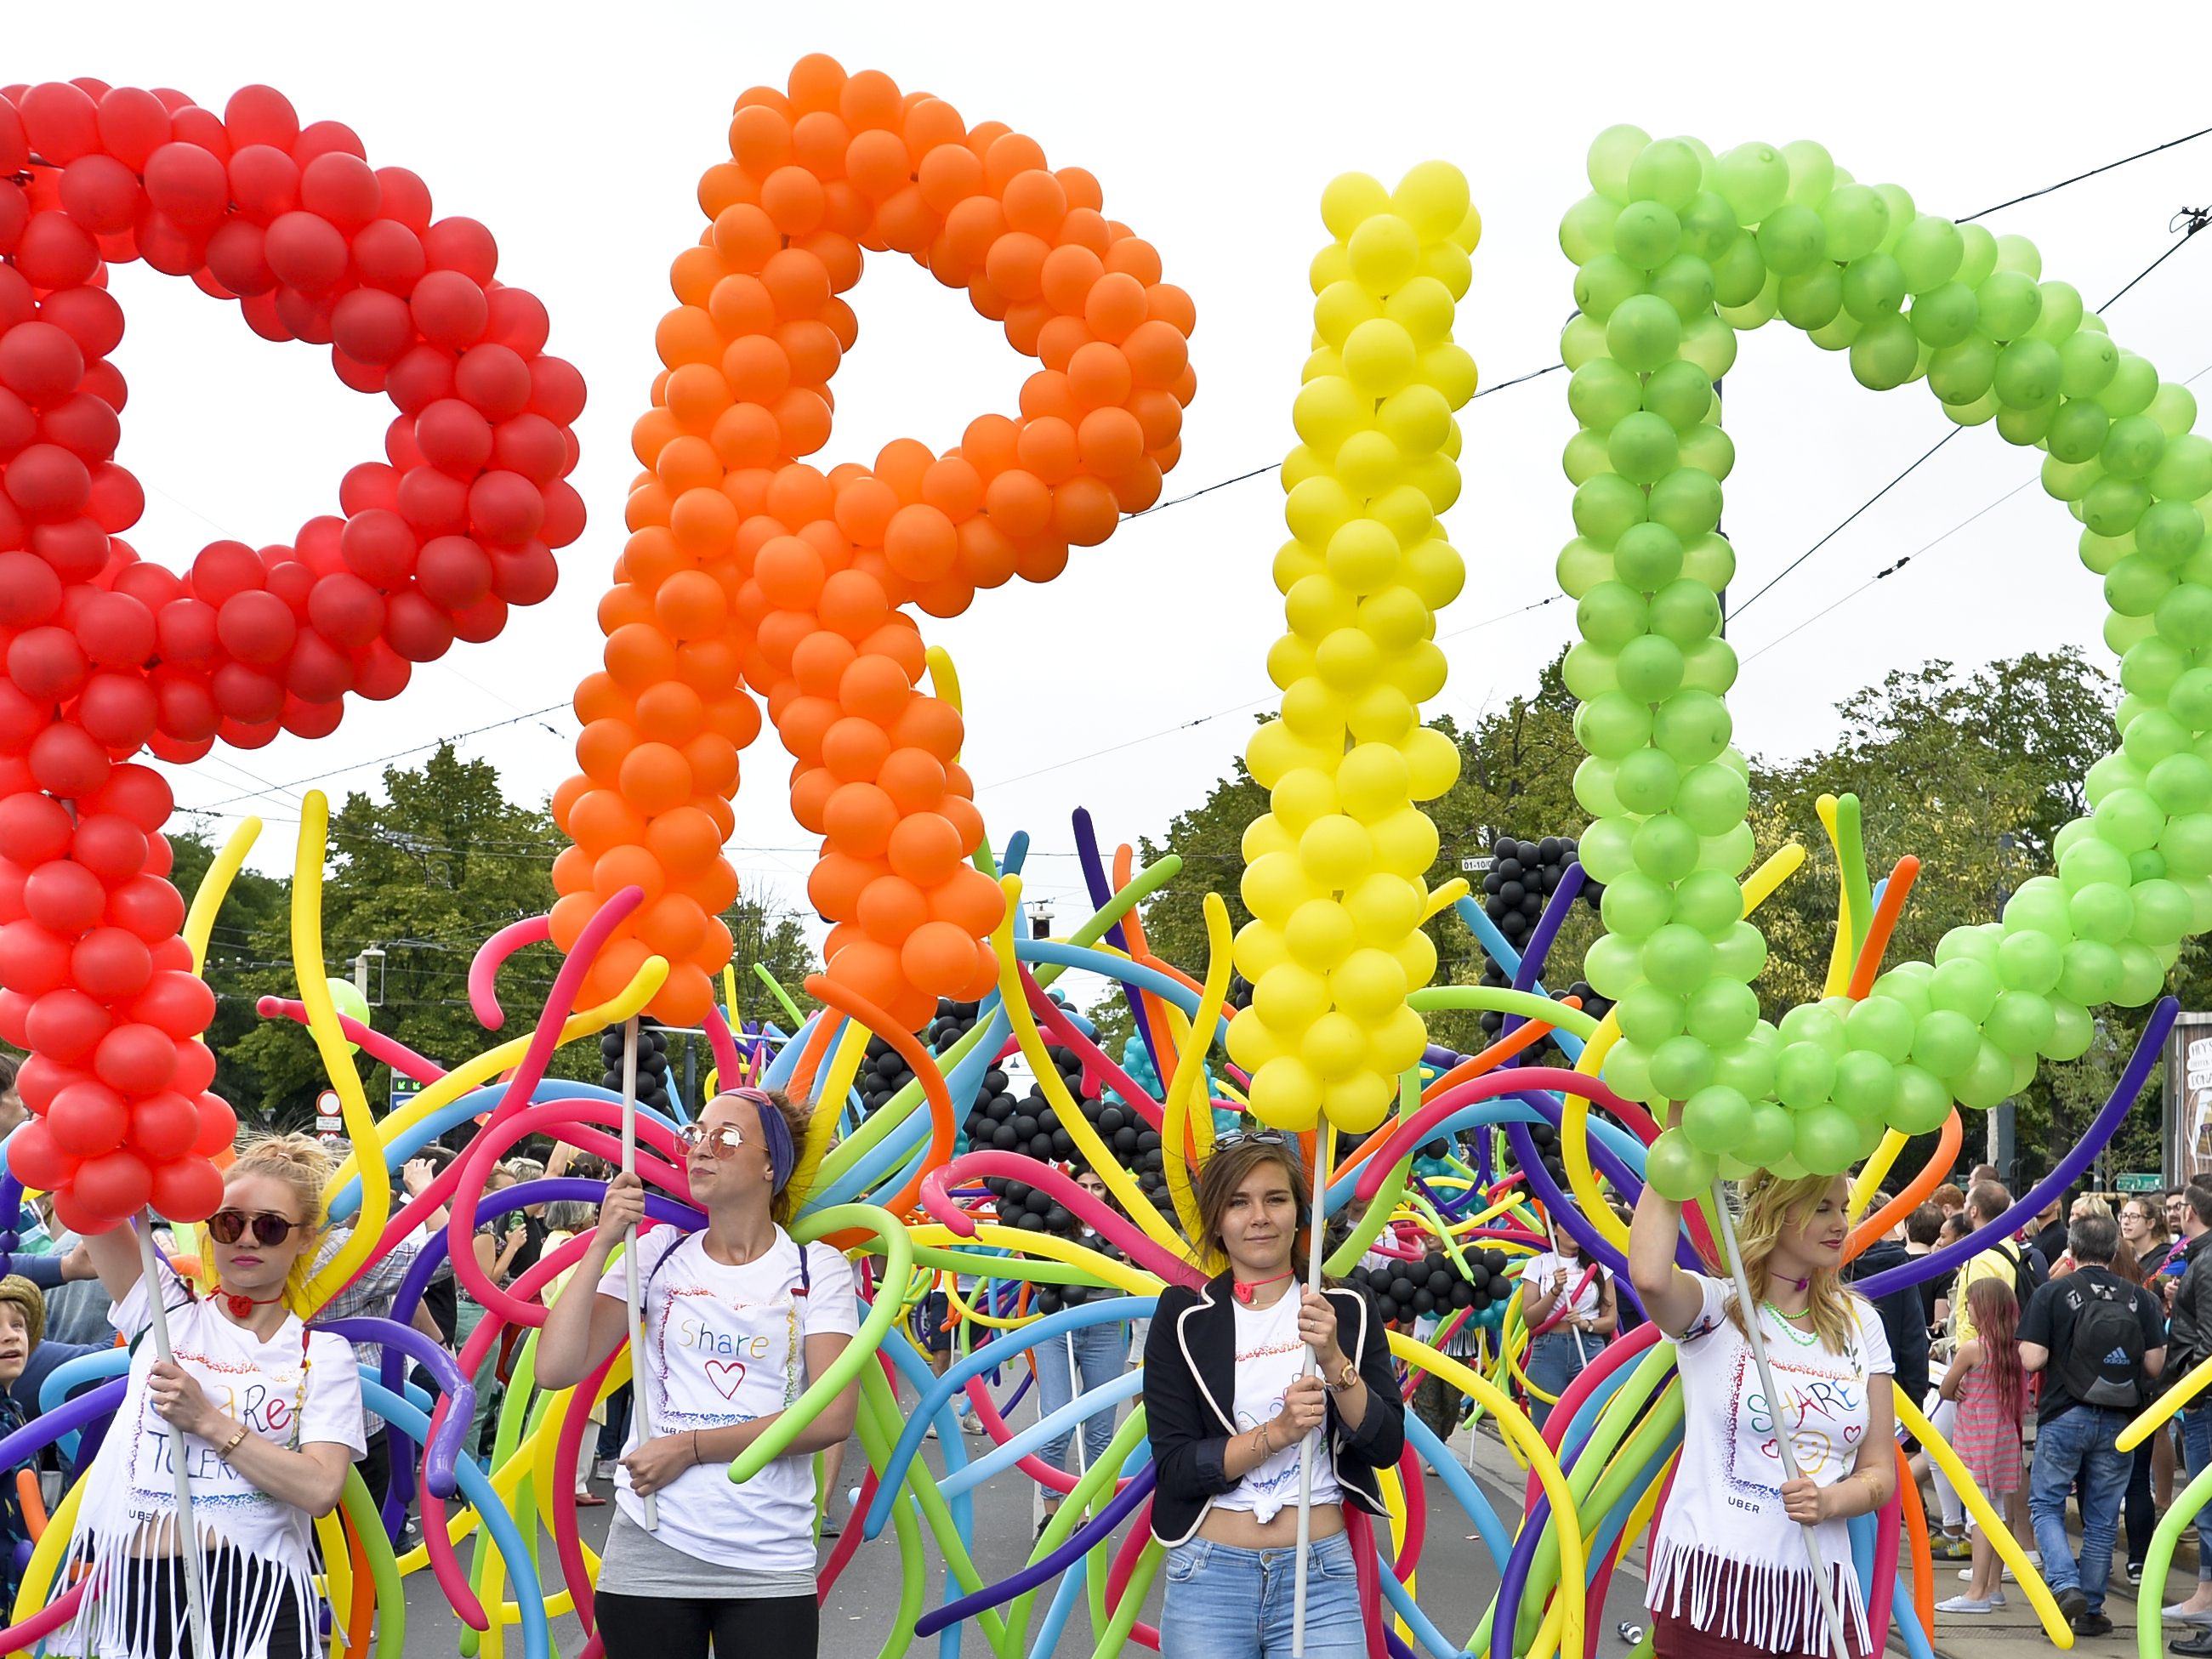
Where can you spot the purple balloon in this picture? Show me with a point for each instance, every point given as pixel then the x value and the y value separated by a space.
pixel 1079 1544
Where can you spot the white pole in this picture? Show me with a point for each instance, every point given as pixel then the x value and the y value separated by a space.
pixel 640 1409
pixel 1325 1144
pixel 1820 1577
pixel 195 1568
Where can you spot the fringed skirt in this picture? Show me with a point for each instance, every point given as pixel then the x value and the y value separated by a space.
pixel 1706 1606
pixel 136 1607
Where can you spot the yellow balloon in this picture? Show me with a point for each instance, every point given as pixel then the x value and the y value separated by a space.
pixel 1369 986
pixel 1285 1091
pixel 1275 886
pixel 1289 998
pixel 1320 935
pixel 1349 199
pixel 1336 851
pixel 1432 198
pixel 1379 357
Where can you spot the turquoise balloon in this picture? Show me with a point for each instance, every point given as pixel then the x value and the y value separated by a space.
pixel 1716 1118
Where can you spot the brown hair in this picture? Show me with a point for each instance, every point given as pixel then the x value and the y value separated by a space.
pixel 299 1163
pixel 1948 1197
pixel 1987 1200
pixel 798 1117
pixel 1226 1171
pixel 33 1301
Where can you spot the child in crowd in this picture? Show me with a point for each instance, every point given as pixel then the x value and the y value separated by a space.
pixel 1990 1389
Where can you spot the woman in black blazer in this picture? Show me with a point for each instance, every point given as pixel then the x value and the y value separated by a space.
pixel 1228 1405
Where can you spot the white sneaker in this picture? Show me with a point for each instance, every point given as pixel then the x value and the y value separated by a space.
pixel 930 1433
pixel 970 1423
pixel 1966 1604
pixel 603 1469
pixel 1967 1573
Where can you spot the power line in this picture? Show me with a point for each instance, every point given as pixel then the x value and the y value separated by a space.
pixel 358 765
pixel 2016 200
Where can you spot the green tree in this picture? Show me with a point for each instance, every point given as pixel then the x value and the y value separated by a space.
pixel 764 929
pixel 255 910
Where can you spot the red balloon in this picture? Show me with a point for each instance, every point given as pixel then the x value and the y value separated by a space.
pixel 36 1160
pixel 40 1079
pixel 118 1182
pixel 149 907
pixel 66 1024
pixel 111 964
pixel 80 1216
pixel 87 1118
pixel 65 896
pixel 137 1060
pixel 449 308
pixel 179 1003
pixel 34 828
pixel 195 1068
pixel 140 794
pixel 188 1188
pixel 39 362
pixel 164 1126
pixel 34 958
pixel 110 845
pixel 69 760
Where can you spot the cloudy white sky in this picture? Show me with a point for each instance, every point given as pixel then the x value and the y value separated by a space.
pixel 577 134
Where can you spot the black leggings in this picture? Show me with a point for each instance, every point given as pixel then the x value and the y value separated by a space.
pixel 161 1620
pixel 666 1627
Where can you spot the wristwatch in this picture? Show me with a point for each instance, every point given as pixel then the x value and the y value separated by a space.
pixel 1345 1378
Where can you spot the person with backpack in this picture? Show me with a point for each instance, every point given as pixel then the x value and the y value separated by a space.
pixel 2189 1342
pixel 2099 1343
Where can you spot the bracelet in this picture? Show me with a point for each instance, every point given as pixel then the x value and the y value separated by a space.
pixel 695 1458
pixel 236 1440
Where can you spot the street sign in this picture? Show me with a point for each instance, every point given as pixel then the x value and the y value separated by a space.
pixel 1476 865
pixel 329 1120
pixel 2140 1180
pixel 404 1089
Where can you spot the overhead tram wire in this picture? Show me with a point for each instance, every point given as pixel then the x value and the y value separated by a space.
pixel 2190 220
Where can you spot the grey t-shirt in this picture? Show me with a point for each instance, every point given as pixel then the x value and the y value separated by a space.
pixel 635 1562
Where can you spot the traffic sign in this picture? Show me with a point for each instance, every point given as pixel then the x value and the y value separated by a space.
pixel 328 1119
pixel 2139 1180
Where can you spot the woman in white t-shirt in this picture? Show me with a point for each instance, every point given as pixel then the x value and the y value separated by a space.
pixel 1577 1331
pixel 737 1317
pixel 1728 1573
pixel 267 1414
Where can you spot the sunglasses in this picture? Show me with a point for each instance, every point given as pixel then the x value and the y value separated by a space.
pixel 229 1226
pixel 722 1141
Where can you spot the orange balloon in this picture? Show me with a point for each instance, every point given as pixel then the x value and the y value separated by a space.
pixel 628 866
pixel 752 574
pixel 571 913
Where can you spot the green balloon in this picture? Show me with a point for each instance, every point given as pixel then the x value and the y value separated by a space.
pixel 1612 964
pixel 2133 385
pixel 2169 532
pixel 2151 736
pixel 2114 507
pixel 1715 1118
pixel 1710 667
pixel 2186 846
pixel 1858 219
pixel 1666 848
pixel 1943 316
pixel 1581 568
pixel 1643 447
pixel 2133 447
pixel 1721 1013
pixel 2135 586
pixel 1747 1067
pixel 2073 1030
pixel 1946 1042
pixel 1679 1170
pixel 1694 727
pixel 1731 853
pixel 2091 975
pixel 1684 611
pixel 1874 287
pixel 1713 799
pixel 1804 1075
pixel 1590 671
pixel 1613 725
pixel 1754 180
pixel 1680 1067
pixel 2029 961
pixel 1965 986
pixel 346 997
pixel 1886 354
pixel 1709 902
pixel 2154 669
pixel 1740 274
pixel 1865 1086
pixel 1709 560
pixel 1649 555
pixel 2010 303
pixel 2091 859
pixel 1678 954
pixel 1741 953
pixel 1879 1025
pixel 1921 1102
pixel 1963 372
pixel 2185 617
pixel 1602 284
pixel 1686 283
pixel 1816 1023
pixel 2077 430
pixel 1648 1015
pixel 1687 501
pixel 1792 241
pixel 1643 332
pixel 1769 1135
pixel 2185 472
pixel 1709 227
pixel 2020 1023
pixel 1988 1080
pixel 1827 1140
pixel 1636 907
pixel 2128 820
pixel 2164 911
pixel 1679 393
pixel 1604 850
pixel 1628 1070
pixel 1597 787
pixel 1646 781
pixel 1813 298
pixel 1651 668
pixel 1902 984
pixel 2143 975
pixel 1601 391
pixel 2026 375
pixel 1605 507
pixel 1666 170
pixel 1929 249
pixel 1611 614
pixel 1646 234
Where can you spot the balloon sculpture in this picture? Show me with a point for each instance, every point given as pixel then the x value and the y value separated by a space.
pixel 749 572
pixel 108 655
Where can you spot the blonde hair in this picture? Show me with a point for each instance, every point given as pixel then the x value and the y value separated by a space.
pixel 1771 1204
pixel 299 1163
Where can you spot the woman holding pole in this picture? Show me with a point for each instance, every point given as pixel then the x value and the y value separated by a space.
pixel 1730 1575
pixel 737 1317
pixel 267 1415
pixel 1230 1402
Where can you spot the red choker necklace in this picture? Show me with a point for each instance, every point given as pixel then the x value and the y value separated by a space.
pixel 241 1307
pixel 1247 1290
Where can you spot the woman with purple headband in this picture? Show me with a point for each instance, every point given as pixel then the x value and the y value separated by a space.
pixel 737 1317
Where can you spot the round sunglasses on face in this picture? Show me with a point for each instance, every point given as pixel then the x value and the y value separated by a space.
pixel 229 1226
pixel 722 1141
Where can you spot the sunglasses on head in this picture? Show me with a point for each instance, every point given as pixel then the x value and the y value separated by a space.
pixel 229 1226
pixel 722 1140
pixel 1262 1137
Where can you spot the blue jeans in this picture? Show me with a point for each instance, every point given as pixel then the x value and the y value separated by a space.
pixel 1554 1362
pixel 1227 1603
pixel 1100 1353
pixel 2079 1446
pixel 2197 1452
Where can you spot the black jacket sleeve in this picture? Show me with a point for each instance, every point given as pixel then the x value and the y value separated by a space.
pixel 1192 1461
pixel 1379 1438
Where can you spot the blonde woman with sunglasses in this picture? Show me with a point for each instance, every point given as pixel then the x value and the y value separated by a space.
pixel 736 1318
pixel 266 1414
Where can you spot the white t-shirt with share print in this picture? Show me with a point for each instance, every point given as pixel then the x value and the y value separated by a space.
pixel 727 1345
